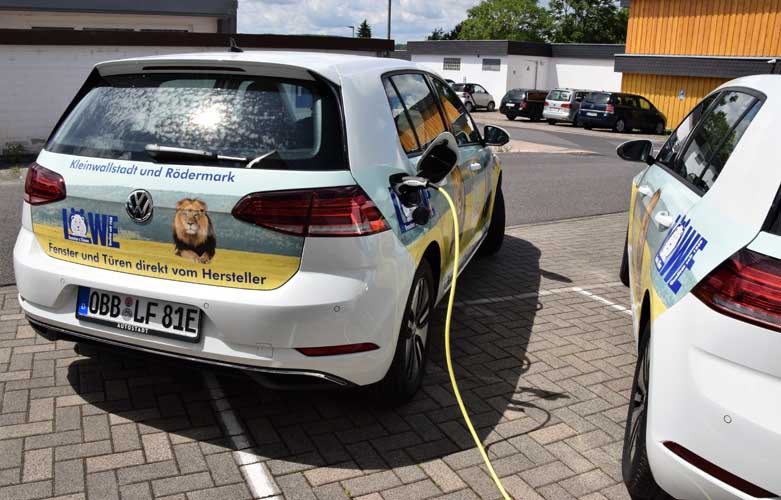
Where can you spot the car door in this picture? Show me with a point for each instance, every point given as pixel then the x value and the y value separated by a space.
pixel 475 160
pixel 647 114
pixel 668 230
pixel 481 96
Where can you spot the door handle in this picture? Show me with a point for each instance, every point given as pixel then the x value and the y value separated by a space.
pixel 644 190
pixel 474 167
pixel 664 219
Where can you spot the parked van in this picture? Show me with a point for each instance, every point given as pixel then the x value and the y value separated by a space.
pixel 523 102
pixel 562 105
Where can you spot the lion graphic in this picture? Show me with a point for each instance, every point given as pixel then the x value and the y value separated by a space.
pixel 194 236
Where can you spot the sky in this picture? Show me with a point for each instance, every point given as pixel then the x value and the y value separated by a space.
pixel 411 19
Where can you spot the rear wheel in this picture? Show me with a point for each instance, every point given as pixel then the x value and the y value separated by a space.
pixel 620 126
pixel 511 117
pixel 659 129
pixel 495 237
pixel 636 470
pixel 409 362
pixel 490 106
pixel 469 107
pixel 587 127
pixel 551 122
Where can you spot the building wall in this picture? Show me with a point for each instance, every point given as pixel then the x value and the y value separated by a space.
pixel 38 83
pixel 664 92
pixel 495 82
pixel 593 74
pixel 705 27
pixel 88 20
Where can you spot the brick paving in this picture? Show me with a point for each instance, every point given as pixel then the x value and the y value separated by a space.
pixel 543 352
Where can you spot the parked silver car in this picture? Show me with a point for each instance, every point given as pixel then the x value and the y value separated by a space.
pixel 474 96
pixel 562 105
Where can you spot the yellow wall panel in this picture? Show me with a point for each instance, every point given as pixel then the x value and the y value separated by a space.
pixel 705 27
pixel 663 90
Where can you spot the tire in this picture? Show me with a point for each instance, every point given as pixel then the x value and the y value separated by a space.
pixel 587 127
pixel 495 237
pixel 659 129
pixel 469 107
pixel 635 468
pixel 551 122
pixel 491 106
pixel 621 126
pixel 511 117
pixel 623 274
pixel 575 121
pixel 408 367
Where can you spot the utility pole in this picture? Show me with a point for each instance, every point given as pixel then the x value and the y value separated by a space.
pixel 389 19
pixel 353 27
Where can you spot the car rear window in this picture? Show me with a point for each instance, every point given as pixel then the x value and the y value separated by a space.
pixel 516 94
pixel 560 95
pixel 459 87
pixel 536 96
pixel 298 121
pixel 598 97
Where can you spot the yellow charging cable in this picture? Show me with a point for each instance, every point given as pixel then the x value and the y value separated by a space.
pixel 450 300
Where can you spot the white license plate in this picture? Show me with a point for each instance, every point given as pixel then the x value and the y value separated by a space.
pixel 591 114
pixel 139 315
pixel 510 104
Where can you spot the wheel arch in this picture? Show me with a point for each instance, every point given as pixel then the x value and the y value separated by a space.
pixel 645 317
pixel 433 256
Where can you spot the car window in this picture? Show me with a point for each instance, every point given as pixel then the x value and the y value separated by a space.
pixel 644 104
pixel 717 126
pixel 406 133
pixel 560 95
pixel 463 127
pixel 598 98
pixel 480 89
pixel 677 139
pixel 420 105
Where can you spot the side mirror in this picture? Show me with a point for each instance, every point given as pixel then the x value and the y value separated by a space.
pixel 495 136
pixel 439 158
pixel 638 150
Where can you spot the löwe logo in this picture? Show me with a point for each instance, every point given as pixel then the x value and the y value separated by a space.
pixel 90 227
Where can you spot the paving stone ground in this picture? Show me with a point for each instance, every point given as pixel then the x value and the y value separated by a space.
pixel 543 352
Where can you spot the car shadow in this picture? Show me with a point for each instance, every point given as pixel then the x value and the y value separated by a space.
pixel 496 307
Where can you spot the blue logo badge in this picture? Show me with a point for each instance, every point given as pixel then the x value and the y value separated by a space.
pixel 676 254
pixel 88 227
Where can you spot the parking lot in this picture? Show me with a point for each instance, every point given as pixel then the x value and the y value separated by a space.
pixel 541 343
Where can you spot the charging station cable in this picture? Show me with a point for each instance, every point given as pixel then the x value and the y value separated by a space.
pixel 450 300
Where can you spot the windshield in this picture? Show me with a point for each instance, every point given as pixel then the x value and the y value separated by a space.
pixel 230 115
pixel 560 95
pixel 598 98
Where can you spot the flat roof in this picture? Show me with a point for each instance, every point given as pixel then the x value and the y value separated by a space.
pixel 219 8
pixel 510 47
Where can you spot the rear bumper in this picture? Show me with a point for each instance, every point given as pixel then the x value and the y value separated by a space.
pixel 716 391
pixel 560 116
pixel 608 121
pixel 348 290
pixel 514 111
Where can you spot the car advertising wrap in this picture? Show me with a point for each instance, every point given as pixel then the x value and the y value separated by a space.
pixel 159 230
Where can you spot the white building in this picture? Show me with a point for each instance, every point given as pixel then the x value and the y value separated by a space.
pixel 499 65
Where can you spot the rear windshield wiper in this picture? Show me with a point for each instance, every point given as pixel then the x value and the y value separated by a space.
pixel 172 152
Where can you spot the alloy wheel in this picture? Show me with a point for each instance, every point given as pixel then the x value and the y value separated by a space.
pixel 416 329
pixel 639 403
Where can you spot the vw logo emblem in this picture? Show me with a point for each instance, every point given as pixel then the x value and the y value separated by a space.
pixel 139 206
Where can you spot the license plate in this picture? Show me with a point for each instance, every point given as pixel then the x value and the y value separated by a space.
pixel 591 114
pixel 510 104
pixel 139 315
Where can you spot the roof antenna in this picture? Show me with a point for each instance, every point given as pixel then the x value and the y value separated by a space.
pixel 233 46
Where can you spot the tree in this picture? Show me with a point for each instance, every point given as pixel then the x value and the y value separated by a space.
pixel 364 30
pixel 587 21
pixel 441 34
pixel 521 20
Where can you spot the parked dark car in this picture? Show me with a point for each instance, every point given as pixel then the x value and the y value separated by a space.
pixel 621 112
pixel 523 102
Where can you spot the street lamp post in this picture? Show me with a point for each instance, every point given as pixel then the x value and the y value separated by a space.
pixel 353 28
pixel 389 19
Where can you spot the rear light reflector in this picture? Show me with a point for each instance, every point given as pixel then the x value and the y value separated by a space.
pixel 610 109
pixel 334 350
pixel 339 211
pixel 714 470
pixel 546 104
pixel 522 105
pixel 566 105
pixel 747 286
pixel 43 186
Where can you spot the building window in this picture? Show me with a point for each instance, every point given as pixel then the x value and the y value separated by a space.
pixel 492 64
pixel 451 64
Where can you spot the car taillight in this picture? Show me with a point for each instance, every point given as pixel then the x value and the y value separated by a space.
pixel 43 186
pixel 747 286
pixel 522 105
pixel 333 350
pixel 338 211
pixel 566 105
pixel 546 104
pixel 610 109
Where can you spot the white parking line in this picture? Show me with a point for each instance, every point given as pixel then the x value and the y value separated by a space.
pixel 255 472
pixel 617 307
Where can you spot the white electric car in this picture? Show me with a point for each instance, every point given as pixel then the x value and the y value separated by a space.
pixel 245 210
pixel 703 261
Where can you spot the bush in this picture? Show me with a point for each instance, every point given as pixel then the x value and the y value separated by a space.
pixel 14 152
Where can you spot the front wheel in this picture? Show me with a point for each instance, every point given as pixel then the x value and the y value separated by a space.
pixel 551 122
pixel 405 374
pixel 636 470
pixel 495 236
pixel 620 126
pixel 659 129
pixel 469 107
pixel 491 106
